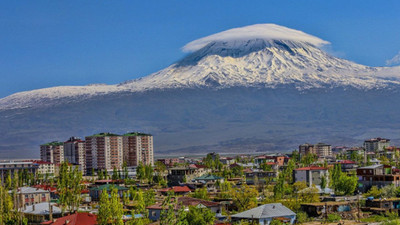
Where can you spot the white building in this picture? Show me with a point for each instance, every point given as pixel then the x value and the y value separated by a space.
pixel 376 144
pixel 311 175
pixel 75 152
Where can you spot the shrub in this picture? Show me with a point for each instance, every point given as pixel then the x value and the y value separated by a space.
pixel 301 218
pixel 332 218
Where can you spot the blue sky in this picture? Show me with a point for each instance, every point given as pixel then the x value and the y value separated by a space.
pixel 52 43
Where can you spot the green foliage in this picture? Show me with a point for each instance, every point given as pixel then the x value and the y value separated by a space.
pixel 276 222
pixel 324 182
pixel 341 182
pixel 389 191
pixel 308 159
pixel 69 187
pixel 149 197
pixel 244 198
pixel 168 211
pixel 279 188
pixel 200 216
pixel 115 175
pixel 7 214
pixel 201 193
pixel 214 164
pixel 110 208
pixel 301 217
pixel 332 218
pixel 373 192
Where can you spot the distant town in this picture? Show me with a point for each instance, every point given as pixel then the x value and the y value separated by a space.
pixel 110 178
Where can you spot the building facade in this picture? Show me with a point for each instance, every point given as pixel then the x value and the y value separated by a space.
pixel 323 149
pixel 306 148
pixel 138 147
pixel 376 144
pixel 52 152
pixel 104 151
pixel 311 175
pixel 12 167
pixel 75 152
pixel 30 196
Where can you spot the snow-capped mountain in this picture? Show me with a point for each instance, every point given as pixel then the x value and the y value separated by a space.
pixel 263 55
pixel 261 87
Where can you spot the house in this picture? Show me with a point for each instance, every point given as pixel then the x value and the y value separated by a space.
pixel 347 165
pixel 317 209
pixel 40 212
pixel 377 175
pixel 178 190
pixel 311 175
pixel 382 205
pixel 209 181
pixel 260 177
pixel 95 192
pixel 227 160
pixel 28 196
pixel 178 175
pixel 264 214
pixel 276 159
pixel 155 210
pixel 77 218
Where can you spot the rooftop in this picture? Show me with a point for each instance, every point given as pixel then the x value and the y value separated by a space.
pixel 29 190
pixel 266 211
pixel 75 219
pixel 42 209
pixel 104 135
pixel 136 134
pixel 108 187
pixel 312 168
pixel 208 177
pixel 53 143
pixel 187 201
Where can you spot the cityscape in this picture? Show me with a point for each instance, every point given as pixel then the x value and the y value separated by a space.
pixel 108 178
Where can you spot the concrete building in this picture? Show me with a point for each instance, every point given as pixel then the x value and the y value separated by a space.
pixel 75 152
pixel 138 147
pixel 45 168
pixel 12 167
pixel 306 148
pixel 311 175
pixel 323 149
pixel 29 196
pixel 377 175
pixel 104 151
pixel 52 152
pixel 376 144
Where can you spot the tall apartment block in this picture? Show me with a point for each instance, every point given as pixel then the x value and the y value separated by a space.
pixel 138 147
pixel 52 152
pixel 75 152
pixel 103 151
pixel 376 144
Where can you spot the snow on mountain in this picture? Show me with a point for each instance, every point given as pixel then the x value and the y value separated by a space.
pixel 262 55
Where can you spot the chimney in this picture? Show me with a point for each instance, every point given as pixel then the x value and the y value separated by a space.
pixel 50 212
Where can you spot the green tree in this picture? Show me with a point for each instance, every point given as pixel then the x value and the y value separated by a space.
pixel 104 217
pixel 200 216
pixel 7 213
pixel 167 216
pixel 116 208
pixel 149 197
pixel 347 184
pixel 140 172
pixel 373 192
pixel 115 175
pixel 279 188
pixel 244 198
pixel 201 193
pixel 110 208
pixel 323 182
pixel 69 187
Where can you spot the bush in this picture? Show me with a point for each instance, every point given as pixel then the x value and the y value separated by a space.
pixel 332 218
pixel 301 218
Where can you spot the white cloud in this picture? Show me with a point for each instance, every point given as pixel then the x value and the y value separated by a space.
pixel 257 31
pixel 393 61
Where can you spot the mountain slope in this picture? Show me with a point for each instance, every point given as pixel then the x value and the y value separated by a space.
pixel 256 88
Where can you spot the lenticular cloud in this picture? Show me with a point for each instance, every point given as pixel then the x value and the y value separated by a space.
pixel 257 31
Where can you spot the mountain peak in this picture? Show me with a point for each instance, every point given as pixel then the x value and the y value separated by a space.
pixel 237 36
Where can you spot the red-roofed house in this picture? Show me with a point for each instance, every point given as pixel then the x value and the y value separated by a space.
pixel 311 175
pixel 347 165
pixel 177 190
pixel 75 219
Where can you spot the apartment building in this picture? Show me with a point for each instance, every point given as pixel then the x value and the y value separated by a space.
pixel 12 168
pixel 376 144
pixel 75 152
pixel 104 151
pixel 320 149
pixel 306 148
pixel 138 147
pixel 52 152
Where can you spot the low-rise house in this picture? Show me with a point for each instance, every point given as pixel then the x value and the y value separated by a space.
pixel 311 175
pixel 347 165
pixel 382 205
pixel 156 209
pixel 209 181
pixel 377 175
pixel 78 218
pixel 317 209
pixel 95 192
pixel 260 177
pixel 264 214
pixel 227 160
pixel 178 175
pixel 178 190
pixel 40 212
pixel 28 196
pixel 277 159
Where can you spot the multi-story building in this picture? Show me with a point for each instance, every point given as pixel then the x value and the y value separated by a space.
pixel 376 144
pixel 138 147
pixel 11 167
pixel 306 148
pixel 52 152
pixel 75 152
pixel 104 151
pixel 378 175
pixel 30 196
pixel 45 168
pixel 323 149
pixel 311 175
